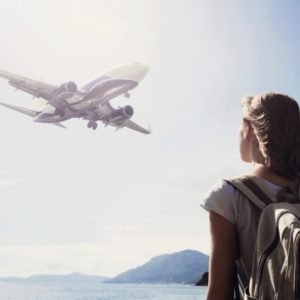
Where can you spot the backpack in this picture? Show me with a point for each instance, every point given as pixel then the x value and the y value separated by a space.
pixel 275 271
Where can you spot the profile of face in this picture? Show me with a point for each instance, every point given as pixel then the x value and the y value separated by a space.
pixel 245 141
pixel 249 146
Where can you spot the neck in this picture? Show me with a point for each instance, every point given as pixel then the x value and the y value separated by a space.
pixel 264 172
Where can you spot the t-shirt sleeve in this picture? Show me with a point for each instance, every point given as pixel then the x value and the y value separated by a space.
pixel 222 199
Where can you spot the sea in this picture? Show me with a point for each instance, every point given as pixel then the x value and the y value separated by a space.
pixel 100 291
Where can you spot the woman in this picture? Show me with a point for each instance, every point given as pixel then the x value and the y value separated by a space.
pixel 269 139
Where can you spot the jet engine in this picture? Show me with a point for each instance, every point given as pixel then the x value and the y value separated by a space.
pixel 121 114
pixel 69 87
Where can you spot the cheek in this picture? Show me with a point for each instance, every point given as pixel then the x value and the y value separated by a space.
pixel 244 147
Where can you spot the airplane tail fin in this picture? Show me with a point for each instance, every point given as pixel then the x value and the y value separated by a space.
pixel 25 111
pixel 59 124
pixel 28 112
pixel 149 128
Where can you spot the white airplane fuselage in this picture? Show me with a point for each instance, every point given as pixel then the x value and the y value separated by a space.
pixel 101 89
pixel 90 102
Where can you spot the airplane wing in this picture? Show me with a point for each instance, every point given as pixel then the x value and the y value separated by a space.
pixel 130 124
pixel 127 123
pixel 31 86
pixel 28 112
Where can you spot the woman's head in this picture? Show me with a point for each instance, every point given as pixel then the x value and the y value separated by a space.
pixel 270 133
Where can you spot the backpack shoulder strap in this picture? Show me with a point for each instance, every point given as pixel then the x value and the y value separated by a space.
pixel 249 188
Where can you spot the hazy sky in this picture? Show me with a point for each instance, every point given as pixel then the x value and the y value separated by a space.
pixel 100 202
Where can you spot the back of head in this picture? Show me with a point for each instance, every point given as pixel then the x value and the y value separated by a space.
pixel 275 119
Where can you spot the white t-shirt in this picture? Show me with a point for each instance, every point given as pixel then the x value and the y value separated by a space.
pixel 223 198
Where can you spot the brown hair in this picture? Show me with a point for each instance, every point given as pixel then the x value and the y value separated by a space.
pixel 275 119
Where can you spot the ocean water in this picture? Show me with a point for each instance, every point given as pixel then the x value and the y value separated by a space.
pixel 101 291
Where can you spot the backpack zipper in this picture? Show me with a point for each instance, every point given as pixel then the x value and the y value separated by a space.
pixel 265 254
pixel 262 261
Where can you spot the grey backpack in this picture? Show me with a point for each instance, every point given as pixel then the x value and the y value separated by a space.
pixel 275 271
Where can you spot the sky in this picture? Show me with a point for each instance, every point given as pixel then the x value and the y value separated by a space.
pixel 101 202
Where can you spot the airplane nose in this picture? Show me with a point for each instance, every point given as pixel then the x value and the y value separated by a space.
pixel 140 73
pixel 145 68
pixel 132 71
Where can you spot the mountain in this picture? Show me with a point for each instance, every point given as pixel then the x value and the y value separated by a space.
pixel 74 277
pixel 203 281
pixel 181 267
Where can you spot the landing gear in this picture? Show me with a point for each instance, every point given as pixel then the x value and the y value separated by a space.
pixel 126 95
pixel 92 124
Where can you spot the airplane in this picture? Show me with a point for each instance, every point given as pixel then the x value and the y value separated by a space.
pixel 89 102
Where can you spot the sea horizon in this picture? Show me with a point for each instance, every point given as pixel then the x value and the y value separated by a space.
pixel 99 291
